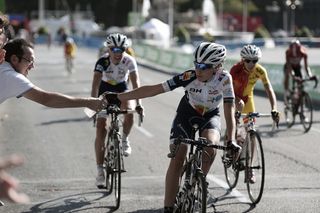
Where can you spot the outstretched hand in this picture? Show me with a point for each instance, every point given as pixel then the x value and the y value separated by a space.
pixel 9 184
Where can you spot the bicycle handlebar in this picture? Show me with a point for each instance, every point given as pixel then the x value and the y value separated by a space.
pixel 257 115
pixel 114 109
pixel 201 142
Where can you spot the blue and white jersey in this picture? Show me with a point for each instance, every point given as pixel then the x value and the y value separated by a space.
pixel 203 96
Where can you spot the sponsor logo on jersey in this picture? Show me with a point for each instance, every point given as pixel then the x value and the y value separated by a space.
pixel 195 90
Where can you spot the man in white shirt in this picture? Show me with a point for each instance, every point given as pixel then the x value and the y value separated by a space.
pixel 16 60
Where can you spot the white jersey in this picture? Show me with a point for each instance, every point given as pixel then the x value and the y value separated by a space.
pixel 203 96
pixel 12 83
pixel 116 73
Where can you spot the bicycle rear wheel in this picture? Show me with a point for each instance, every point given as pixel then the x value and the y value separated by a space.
pixel 306 112
pixel 254 166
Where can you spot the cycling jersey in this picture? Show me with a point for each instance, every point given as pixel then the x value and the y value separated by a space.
pixel 12 83
pixel 295 54
pixel 70 49
pixel 116 73
pixel 244 82
pixel 204 97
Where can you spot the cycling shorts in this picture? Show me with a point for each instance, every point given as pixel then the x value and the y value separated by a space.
pixel 187 116
pixel 296 70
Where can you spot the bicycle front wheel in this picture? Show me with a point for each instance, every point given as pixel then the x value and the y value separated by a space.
pixel 255 168
pixel 306 112
pixel 200 193
pixel 117 173
pixel 231 173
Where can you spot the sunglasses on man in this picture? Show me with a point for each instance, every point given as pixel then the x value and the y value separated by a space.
pixel 202 66
pixel 117 49
pixel 253 61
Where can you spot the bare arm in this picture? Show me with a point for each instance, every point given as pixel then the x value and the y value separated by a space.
pixel 96 84
pixel 134 78
pixel 271 95
pixel 58 100
pixel 230 120
pixel 142 92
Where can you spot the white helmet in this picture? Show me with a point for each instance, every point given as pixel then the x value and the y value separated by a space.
pixel 210 53
pixel 250 52
pixel 116 40
pixel 70 40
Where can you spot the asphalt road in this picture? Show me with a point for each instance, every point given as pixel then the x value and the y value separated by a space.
pixel 59 172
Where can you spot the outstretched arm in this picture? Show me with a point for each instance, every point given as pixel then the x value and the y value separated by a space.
pixel 142 92
pixel 58 100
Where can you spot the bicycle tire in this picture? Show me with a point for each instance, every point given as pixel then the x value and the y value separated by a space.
pixel 255 164
pixel 200 193
pixel 117 173
pixel 231 173
pixel 306 112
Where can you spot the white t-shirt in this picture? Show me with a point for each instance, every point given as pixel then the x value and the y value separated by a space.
pixel 12 83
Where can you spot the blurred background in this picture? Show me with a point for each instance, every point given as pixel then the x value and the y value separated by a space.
pixel 174 22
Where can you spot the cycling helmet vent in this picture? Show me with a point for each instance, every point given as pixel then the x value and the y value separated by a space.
pixel 210 53
pixel 116 40
pixel 251 52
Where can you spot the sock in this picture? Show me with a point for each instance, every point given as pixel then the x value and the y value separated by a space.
pixel 100 168
pixel 124 137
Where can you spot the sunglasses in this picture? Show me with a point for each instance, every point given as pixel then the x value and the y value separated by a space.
pixel 117 49
pixel 253 61
pixel 202 66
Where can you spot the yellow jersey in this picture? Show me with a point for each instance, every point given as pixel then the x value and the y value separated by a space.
pixel 244 82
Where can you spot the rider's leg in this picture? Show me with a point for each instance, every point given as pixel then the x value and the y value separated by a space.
pixel 100 150
pixel 208 156
pixel 172 176
pixel 127 126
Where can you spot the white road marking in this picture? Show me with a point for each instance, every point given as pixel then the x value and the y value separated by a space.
pixel 235 193
pixel 144 131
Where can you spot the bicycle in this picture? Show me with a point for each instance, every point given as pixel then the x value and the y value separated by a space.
pixel 253 156
pixel 192 193
pixel 299 103
pixel 113 161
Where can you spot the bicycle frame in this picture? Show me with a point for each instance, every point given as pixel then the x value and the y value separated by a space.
pixel 192 194
pixel 114 163
pixel 299 103
pixel 251 159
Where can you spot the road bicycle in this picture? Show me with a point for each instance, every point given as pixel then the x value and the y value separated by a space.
pixel 192 193
pixel 298 102
pixel 113 161
pixel 251 159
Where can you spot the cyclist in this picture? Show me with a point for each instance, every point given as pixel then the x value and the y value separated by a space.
pixel 245 75
pixel 70 49
pixel 112 73
pixel 104 50
pixel 294 54
pixel 206 87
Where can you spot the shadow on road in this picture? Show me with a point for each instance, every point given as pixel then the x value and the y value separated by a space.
pixel 72 203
